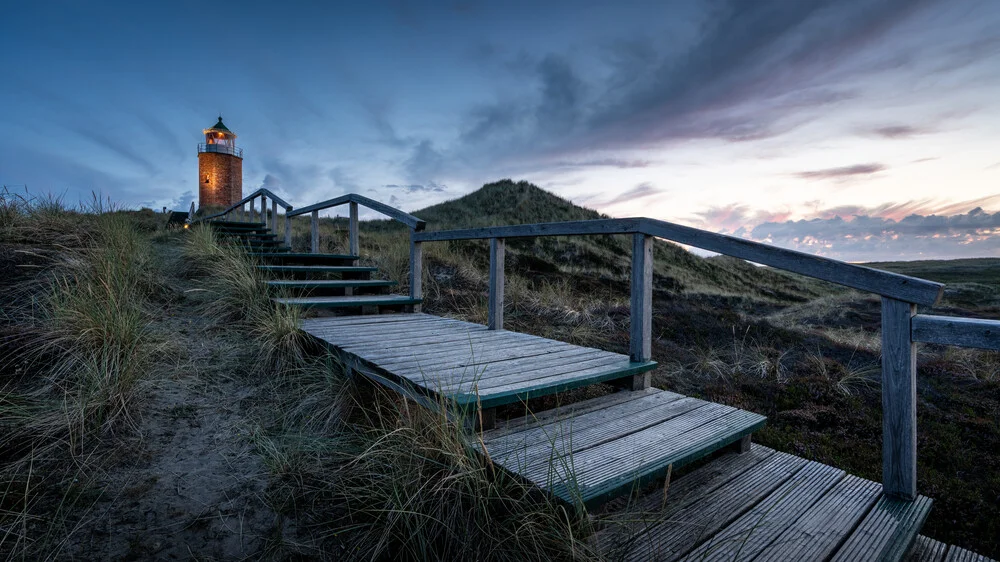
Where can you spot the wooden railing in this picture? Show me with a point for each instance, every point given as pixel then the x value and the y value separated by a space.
pixel 901 326
pixel 353 200
pixel 243 211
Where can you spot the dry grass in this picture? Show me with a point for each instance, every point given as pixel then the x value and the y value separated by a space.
pixel 77 353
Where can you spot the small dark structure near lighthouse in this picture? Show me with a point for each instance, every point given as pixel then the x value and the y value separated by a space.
pixel 220 168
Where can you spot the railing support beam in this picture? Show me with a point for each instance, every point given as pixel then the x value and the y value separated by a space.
pixel 416 271
pixel 641 312
pixel 354 245
pixel 899 400
pixel 314 232
pixel 495 317
pixel 288 229
pixel 274 215
pixel 263 210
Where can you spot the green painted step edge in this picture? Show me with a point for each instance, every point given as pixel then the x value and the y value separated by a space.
pixel 318 268
pixel 307 255
pixel 332 283
pixel 599 495
pixel 374 301
pixel 542 389
pixel 236 224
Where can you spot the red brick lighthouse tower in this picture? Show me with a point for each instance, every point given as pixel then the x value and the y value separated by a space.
pixel 220 168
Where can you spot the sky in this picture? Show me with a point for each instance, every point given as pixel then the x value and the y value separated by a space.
pixel 856 129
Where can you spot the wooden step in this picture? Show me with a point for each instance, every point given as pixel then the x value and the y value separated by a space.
pixel 349 301
pixel 929 550
pixel 235 230
pixel 465 364
pixel 588 458
pixel 236 224
pixel 314 259
pixel 767 506
pixel 330 283
pixel 317 268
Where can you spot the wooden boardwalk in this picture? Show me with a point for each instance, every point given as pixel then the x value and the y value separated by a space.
pixel 751 504
pixel 465 363
pixel 768 506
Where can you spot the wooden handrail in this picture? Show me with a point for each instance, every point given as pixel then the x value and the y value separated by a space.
pixel 260 192
pixel 391 212
pixel 951 330
pixel 884 283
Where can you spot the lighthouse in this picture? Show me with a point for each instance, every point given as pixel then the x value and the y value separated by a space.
pixel 220 168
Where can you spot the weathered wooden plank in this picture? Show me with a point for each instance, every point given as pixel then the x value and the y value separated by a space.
pixel 948 330
pixel 405 218
pixel 565 228
pixel 274 216
pixel 448 376
pixel 899 400
pixel 352 230
pixel 559 413
pixel 642 467
pixel 263 211
pixel 288 228
pixel 533 389
pixel 345 301
pixel 547 433
pixel 629 529
pixel 887 532
pixel 314 232
pixel 496 281
pixel 901 287
pixel 354 320
pixel 746 536
pixel 439 341
pixel 317 268
pixel 393 331
pixel 527 376
pixel 627 454
pixel 482 354
pixel 641 321
pixel 926 550
pixel 894 285
pixel 959 554
pixel 329 283
pixel 416 269
pixel 565 442
pixel 683 526
pixel 455 340
pixel 820 530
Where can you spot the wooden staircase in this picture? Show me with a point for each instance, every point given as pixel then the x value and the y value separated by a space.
pixel 735 502
pixel 315 281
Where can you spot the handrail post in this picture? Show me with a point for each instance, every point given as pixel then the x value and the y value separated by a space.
pixel 263 210
pixel 899 400
pixel 495 317
pixel 314 231
pixel 288 229
pixel 274 215
pixel 416 271
pixel 641 306
pixel 353 243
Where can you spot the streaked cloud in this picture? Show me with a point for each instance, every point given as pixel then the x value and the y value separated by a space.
pixel 842 172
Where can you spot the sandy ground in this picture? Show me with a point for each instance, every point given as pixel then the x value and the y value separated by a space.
pixel 192 487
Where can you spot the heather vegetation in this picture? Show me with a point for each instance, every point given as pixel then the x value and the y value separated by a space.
pixel 155 403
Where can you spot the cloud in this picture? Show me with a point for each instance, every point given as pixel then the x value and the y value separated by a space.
pixel 620 163
pixel 424 162
pixel 641 191
pixel 430 187
pixel 899 131
pixel 872 238
pixel 842 172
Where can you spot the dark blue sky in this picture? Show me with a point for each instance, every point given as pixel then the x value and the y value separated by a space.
pixel 779 120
